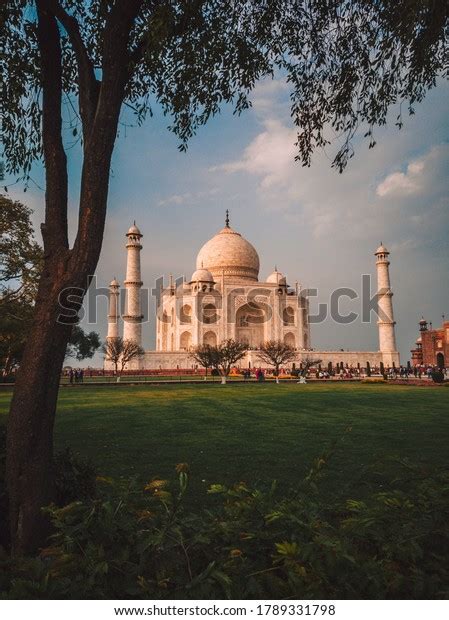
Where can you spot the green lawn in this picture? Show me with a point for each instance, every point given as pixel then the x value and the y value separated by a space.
pixel 253 432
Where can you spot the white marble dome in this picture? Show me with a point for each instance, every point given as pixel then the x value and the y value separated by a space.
pixel 134 230
pixel 201 275
pixel 277 278
pixel 381 249
pixel 229 253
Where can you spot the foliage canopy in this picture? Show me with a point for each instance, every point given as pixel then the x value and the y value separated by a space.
pixel 346 63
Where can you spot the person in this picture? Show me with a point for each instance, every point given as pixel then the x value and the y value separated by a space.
pixel 71 376
pixel 81 375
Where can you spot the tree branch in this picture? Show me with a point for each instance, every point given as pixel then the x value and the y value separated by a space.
pixel 54 231
pixel 88 84
pixel 98 151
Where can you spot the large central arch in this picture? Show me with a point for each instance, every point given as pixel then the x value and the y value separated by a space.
pixel 251 321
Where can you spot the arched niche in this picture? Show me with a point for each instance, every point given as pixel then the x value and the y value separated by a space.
pixel 185 341
pixel 186 314
pixel 165 322
pixel 290 339
pixel 210 339
pixel 288 316
pixel 209 314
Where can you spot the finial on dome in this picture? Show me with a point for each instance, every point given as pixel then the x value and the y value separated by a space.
pixel 275 267
pixel 227 218
pixel 133 230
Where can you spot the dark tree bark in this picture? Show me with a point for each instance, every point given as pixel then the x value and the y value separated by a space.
pixel 33 407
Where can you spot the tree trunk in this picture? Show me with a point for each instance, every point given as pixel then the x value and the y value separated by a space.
pixel 31 421
pixel 30 480
pixel 32 413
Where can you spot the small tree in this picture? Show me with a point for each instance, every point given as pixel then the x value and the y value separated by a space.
pixel 120 352
pixel 206 356
pixel 307 363
pixel 16 316
pixel 21 256
pixel 275 353
pixel 82 345
pixel 228 353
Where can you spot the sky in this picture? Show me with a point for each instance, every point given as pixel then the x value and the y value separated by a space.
pixel 317 226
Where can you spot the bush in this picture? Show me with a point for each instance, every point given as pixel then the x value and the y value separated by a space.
pixel 134 542
pixel 75 478
pixel 437 376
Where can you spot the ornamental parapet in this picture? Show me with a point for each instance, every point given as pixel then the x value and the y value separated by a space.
pixel 130 318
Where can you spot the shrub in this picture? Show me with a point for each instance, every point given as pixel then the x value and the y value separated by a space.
pixel 437 376
pixel 75 477
pixel 134 542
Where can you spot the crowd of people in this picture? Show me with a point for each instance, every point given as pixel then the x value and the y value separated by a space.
pixel 350 372
pixel 401 372
pixel 336 372
pixel 76 376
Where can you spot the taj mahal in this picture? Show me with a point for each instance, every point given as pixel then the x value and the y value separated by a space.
pixel 224 298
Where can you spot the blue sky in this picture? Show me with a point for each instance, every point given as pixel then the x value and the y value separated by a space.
pixel 317 226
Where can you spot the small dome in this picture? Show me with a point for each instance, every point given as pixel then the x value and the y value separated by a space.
pixel 114 283
pixel 229 253
pixel 276 278
pixel 201 275
pixel 134 230
pixel 382 249
pixel 423 321
pixel 418 340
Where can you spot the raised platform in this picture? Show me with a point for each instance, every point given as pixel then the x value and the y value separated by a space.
pixel 160 360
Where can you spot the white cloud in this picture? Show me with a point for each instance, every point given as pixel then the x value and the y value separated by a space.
pixel 417 176
pixel 270 155
pixel 402 183
pixel 175 199
pixel 397 183
pixel 268 98
pixel 187 197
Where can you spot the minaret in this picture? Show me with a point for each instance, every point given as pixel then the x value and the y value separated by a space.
pixel 113 315
pixel 133 315
pixel 386 322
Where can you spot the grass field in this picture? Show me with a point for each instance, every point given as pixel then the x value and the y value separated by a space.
pixel 254 433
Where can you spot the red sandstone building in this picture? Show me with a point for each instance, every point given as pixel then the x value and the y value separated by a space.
pixel 432 346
